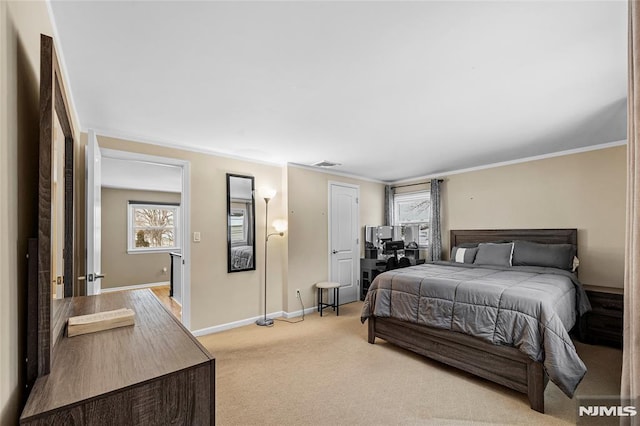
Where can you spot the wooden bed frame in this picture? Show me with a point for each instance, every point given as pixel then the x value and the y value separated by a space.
pixel 504 365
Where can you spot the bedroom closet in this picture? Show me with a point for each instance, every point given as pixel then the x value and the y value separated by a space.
pixel 344 244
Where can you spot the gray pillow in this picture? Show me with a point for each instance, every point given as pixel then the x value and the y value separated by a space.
pixel 463 254
pixel 494 254
pixel 527 253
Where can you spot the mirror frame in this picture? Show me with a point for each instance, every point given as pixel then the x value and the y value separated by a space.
pixel 252 225
pixel 49 316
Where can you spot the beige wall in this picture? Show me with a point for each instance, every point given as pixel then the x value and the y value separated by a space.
pixel 308 250
pixel 121 268
pixel 218 297
pixel 584 191
pixel 21 24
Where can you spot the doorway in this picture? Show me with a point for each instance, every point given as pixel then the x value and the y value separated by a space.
pixel 134 187
pixel 344 245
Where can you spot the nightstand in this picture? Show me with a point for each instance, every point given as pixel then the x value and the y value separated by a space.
pixel 603 325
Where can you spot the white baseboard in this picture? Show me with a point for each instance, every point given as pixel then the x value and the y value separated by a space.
pixel 299 313
pixel 134 287
pixel 248 321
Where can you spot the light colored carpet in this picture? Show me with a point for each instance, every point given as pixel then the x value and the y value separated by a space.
pixel 323 372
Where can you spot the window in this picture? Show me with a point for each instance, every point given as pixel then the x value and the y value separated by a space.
pixel 152 227
pixel 238 225
pixel 414 209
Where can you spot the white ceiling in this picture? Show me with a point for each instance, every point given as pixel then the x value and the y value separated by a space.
pixel 140 175
pixel 390 90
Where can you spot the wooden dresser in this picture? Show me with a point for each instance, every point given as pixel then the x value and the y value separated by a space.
pixel 154 372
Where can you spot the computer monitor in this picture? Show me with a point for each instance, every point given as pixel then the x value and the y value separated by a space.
pixel 392 246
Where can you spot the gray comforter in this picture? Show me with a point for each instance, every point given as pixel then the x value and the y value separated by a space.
pixel 530 308
pixel 241 257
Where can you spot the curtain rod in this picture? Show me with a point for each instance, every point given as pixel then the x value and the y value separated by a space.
pixel 414 184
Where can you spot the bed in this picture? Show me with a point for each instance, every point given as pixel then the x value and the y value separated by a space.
pixel 241 257
pixel 508 324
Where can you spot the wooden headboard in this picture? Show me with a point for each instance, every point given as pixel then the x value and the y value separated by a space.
pixel 546 236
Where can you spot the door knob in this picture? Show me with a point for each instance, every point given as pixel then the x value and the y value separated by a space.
pixel 93 277
pixel 334 251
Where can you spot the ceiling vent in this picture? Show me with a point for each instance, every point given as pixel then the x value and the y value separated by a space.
pixel 325 164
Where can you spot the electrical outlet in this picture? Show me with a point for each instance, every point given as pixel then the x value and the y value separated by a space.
pixel 298 293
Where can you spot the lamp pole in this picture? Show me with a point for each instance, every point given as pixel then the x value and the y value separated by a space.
pixel 265 321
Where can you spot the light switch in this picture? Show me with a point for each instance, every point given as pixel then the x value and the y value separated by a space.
pixel 196 237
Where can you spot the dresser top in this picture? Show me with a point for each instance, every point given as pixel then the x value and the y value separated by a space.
pixel 93 364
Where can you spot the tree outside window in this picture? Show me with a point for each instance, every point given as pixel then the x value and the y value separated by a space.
pixel 414 209
pixel 152 227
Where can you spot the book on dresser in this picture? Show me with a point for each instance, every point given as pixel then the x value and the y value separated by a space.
pixel 100 321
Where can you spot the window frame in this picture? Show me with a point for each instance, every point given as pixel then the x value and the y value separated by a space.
pixel 245 227
pixel 131 206
pixel 410 196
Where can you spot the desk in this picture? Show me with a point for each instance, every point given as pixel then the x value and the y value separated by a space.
pixel 371 268
pixel 154 372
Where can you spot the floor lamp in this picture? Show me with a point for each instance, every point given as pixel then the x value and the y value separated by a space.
pixel 280 226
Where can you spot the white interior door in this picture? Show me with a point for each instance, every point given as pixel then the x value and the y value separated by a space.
pixel 344 245
pixel 94 218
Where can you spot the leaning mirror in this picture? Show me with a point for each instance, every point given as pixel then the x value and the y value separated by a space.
pixel 241 224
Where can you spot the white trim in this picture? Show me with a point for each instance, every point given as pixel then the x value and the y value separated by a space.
pixel 177 226
pixel 135 287
pixel 348 185
pixel 186 245
pixel 189 148
pixel 152 250
pixel 201 150
pixel 135 156
pixel 63 68
pixel 234 324
pixel 131 187
pixel 333 172
pixel 330 183
pixel 298 313
pixel 185 216
pixel 250 321
pixel 518 161
pixel 92 153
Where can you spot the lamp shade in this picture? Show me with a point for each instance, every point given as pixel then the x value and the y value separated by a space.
pixel 266 192
pixel 280 225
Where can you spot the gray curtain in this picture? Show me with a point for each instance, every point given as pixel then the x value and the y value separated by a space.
pixel 630 386
pixel 435 242
pixel 388 205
